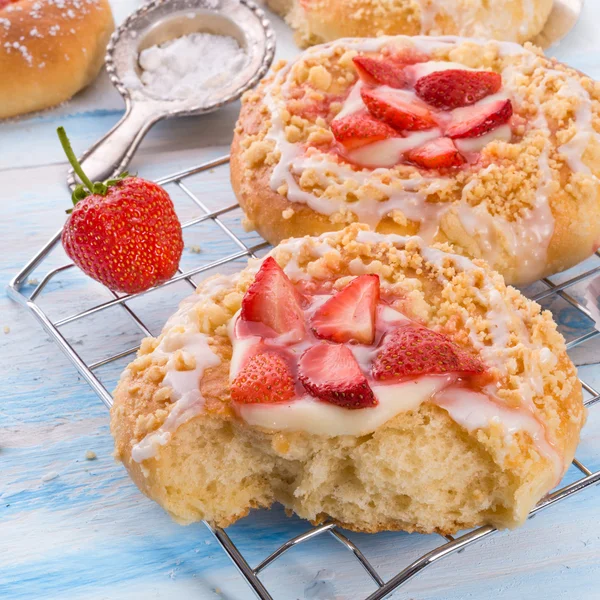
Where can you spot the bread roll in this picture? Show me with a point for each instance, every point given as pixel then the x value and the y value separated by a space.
pixel 318 21
pixel 49 50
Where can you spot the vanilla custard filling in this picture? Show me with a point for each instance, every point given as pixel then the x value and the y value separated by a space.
pixel 321 418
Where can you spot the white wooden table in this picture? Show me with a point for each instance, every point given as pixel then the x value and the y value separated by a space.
pixel 72 528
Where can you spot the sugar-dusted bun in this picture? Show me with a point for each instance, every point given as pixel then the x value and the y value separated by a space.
pixel 317 21
pixel 49 50
pixel 443 462
pixel 526 198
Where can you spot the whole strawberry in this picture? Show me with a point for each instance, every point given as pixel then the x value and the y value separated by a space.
pixel 123 232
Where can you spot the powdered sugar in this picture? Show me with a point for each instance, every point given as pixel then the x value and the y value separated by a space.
pixel 190 65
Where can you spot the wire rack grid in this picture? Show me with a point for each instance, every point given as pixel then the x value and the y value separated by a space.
pixel 450 544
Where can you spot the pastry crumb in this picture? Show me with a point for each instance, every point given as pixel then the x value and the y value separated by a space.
pixel 248 224
pixel 90 455
pixel 6 329
pixel 195 249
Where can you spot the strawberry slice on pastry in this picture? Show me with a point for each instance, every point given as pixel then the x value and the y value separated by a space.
pixel 330 372
pixel 375 71
pixel 274 301
pixel 413 350
pixel 265 378
pixel 437 154
pixel 454 88
pixel 476 121
pixel 360 129
pixel 398 108
pixel 350 314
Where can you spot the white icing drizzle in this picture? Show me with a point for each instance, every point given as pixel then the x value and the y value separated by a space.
pixel 181 333
pixel 574 149
pixel 403 195
pixel 473 411
pixel 185 385
pixel 526 238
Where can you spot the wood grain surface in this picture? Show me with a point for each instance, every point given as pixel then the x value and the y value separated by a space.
pixel 73 528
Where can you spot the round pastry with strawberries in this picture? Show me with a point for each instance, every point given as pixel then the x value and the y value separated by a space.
pixel 317 21
pixel 360 377
pixel 487 145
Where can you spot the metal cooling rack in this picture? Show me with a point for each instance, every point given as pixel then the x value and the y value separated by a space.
pixel 251 575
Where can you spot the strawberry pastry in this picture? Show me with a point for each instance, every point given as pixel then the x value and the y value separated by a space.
pixel 356 376
pixel 487 145
pixel 317 21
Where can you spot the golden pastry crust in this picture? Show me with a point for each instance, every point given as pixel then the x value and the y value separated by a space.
pixel 529 206
pixel 421 470
pixel 49 50
pixel 318 21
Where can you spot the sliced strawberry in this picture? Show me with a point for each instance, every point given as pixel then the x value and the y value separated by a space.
pixel 274 301
pixel 350 314
pixel 265 378
pixel 479 120
pixel 455 87
pixel 331 373
pixel 397 109
pixel 437 154
pixel 413 350
pixel 360 129
pixel 379 72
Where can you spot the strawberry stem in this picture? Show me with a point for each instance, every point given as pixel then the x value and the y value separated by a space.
pixel 66 145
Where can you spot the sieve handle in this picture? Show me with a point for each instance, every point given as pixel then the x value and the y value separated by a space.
pixel 111 154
